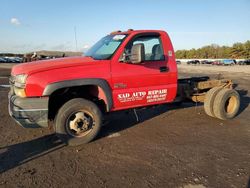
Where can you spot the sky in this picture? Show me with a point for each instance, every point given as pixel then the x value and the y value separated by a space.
pixel 33 25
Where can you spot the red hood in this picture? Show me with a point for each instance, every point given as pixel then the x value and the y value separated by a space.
pixel 39 66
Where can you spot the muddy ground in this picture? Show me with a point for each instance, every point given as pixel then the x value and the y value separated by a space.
pixel 171 146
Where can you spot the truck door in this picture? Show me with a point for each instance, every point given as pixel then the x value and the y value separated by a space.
pixel 142 84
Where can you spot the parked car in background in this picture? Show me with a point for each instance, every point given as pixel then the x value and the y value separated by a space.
pixel 11 60
pixel 206 62
pixel 228 62
pixel 224 62
pixel 2 60
pixel 241 62
pixel 217 62
pixel 193 62
pixel 245 62
pixel 17 60
pixel 178 62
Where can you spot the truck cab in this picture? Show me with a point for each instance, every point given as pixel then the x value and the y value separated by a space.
pixel 143 70
pixel 123 70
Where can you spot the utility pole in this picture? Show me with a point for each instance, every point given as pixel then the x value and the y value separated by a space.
pixel 75 38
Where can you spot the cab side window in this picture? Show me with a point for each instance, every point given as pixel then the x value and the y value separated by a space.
pixel 153 47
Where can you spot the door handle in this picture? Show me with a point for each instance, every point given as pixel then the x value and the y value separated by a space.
pixel 163 69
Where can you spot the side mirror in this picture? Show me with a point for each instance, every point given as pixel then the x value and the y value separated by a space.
pixel 137 53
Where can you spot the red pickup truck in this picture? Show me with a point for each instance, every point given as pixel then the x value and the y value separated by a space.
pixel 124 70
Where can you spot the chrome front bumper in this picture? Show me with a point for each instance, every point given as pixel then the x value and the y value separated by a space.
pixel 29 112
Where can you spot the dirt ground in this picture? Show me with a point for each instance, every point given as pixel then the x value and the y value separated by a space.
pixel 171 146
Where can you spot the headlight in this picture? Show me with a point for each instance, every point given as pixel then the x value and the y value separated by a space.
pixel 20 80
pixel 20 92
pixel 19 84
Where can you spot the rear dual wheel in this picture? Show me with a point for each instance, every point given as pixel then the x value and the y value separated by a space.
pixel 226 104
pixel 209 100
pixel 222 103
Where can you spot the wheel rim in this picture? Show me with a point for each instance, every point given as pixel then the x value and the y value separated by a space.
pixel 80 124
pixel 231 104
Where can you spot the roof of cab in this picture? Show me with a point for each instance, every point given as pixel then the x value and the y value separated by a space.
pixel 129 31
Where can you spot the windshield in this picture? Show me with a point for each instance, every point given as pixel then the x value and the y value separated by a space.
pixel 106 47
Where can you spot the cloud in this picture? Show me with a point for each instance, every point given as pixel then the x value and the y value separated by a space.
pixel 86 46
pixel 15 21
pixel 65 46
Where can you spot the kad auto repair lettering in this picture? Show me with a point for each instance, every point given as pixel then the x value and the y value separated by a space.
pixel 151 96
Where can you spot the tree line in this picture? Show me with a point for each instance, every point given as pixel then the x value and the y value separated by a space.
pixel 214 51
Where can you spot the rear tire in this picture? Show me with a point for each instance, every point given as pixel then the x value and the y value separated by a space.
pixel 78 122
pixel 226 104
pixel 209 100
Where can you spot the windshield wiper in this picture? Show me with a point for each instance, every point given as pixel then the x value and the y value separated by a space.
pixel 87 56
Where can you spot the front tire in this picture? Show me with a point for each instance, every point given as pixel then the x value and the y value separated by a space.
pixel 78 122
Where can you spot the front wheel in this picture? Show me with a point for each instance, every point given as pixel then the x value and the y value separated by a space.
pixel 78 122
